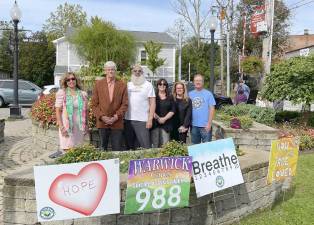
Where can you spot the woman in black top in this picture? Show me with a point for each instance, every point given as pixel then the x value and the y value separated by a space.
pixel 182 118
pixel 165 109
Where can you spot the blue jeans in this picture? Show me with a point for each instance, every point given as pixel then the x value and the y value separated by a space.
pixel 200 135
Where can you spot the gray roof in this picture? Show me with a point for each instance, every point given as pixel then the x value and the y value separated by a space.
pixel 144 36
pixel 139 36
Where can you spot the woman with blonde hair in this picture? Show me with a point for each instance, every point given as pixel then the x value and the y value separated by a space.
pixel 183 115
pixel 71 112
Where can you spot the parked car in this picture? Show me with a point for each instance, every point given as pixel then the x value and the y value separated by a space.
pixel 220 100
pixel 48 89
pixel 28 92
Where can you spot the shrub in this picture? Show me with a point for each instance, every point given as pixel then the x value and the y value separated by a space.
pixel 258 114
pixel 44 112
pixel 286 116
pixel 246 122
pixel 236 110
pixel 174 148
pixel 306 142
pixel 84 153
pixel 262 115
pixel 88 153
pixel 310 122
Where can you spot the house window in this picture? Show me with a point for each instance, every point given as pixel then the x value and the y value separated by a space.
pixel 143 57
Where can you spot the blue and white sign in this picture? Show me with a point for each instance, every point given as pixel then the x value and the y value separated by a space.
pixel 215 166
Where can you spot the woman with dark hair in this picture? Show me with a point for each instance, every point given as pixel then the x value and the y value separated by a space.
pixel 71 112
pixel 182 118
pixel 165 109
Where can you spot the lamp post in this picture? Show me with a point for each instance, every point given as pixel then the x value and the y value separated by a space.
pixel 212 26
pixel 15 109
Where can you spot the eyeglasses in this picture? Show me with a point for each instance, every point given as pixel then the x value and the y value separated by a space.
pixel 137 71
pixel 69 79
pixel 162 84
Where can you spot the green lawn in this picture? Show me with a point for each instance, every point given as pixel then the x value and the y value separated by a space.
pixel 298 207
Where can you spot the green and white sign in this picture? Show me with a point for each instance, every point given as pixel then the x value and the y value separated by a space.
pixel 158 183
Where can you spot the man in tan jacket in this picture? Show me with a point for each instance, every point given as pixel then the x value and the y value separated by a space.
pixel 109 104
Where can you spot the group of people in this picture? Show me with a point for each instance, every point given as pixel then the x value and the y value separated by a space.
pixel 134 113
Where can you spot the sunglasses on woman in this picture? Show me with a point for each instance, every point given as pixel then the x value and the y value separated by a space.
pixel 162 84
pixel 69 79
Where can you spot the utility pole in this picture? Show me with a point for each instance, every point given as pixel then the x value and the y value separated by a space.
pixel 228 61
pixel 221 17
pixel 189 71
pixel 180 52
pixel 267 41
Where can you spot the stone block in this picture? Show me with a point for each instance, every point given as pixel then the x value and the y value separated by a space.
pixel 23 192
pixel 182 214
pixel 15 217
pixel 30 206
pixel 255 175
pixel 199 210
pixel 59 222
pixel 12 204
pixel 129 220
pixel 260 183
pixel 245 141
pixel 249 187
pixel 159 218
pixel 85 221
pixel 109 220
pixel 264 142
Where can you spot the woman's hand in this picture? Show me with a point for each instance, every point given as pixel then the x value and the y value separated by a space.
pixel 162 120
pixel 64 132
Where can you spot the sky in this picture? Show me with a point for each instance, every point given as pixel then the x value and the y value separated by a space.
pixel 140 15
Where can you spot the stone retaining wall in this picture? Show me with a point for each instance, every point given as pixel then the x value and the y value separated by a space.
pixel 230 204
pixel 46 139
pixel 2 125
pixel 258 137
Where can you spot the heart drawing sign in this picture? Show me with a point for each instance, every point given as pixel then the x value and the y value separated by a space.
pixel 77 190
pixel 69 190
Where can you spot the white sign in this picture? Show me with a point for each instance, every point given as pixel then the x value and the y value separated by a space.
pixel 77 190
pixel 304 52
pixel 215 166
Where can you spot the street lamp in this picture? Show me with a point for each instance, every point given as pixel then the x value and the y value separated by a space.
pixel 212 27
pixel 15 109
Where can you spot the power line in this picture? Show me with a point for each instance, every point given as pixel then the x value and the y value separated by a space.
pixel 298 6
pixel 296 3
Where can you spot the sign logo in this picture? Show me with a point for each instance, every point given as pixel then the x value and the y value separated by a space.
pixel 220 181
pixel 47 213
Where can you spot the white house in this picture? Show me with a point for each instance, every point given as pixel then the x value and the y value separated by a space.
pixel 68 60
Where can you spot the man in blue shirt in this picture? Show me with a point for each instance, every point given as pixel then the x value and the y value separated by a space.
pixel 203 111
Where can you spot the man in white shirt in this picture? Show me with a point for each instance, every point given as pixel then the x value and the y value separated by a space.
pixel 141 109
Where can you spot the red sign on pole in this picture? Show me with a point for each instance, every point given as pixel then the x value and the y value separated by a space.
pixel 258 22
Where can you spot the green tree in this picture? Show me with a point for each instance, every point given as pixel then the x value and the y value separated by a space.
pixel 252 65
pixel 153 61
pixel 66 15
pixel 37 59
pixel 199 59
pixel 100 41
pixel 292 79
pixel 6 59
